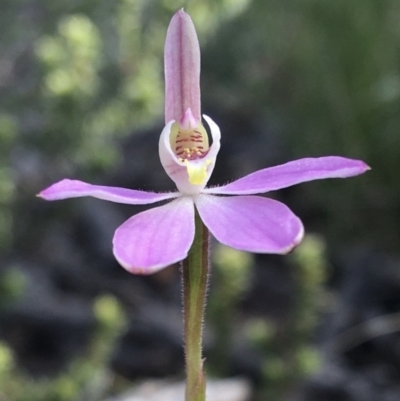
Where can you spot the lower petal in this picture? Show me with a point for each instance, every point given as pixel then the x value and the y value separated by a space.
pixel 251 223
pixel 156 238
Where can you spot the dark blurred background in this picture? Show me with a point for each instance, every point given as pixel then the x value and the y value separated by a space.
pixel 81 96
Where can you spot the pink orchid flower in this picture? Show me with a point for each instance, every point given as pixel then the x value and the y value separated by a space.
pixel 159 237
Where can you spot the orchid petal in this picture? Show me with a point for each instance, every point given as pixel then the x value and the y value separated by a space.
pixel 190 176
pixel 292 173
pixel 75 189
pixel 251 223
pixel 156 238
pixel 182 69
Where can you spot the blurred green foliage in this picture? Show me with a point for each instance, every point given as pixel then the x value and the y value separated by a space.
pixel 12 285
pixel 231 276
pixel 8 132
pixel 87 378
pixel 288 355
pixel 286 352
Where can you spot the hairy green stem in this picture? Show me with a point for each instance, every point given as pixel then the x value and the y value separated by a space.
pixel 195 270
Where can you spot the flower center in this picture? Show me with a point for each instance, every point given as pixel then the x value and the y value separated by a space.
pixel 189 144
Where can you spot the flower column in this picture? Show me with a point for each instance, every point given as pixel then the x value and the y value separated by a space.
pixel 189 141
